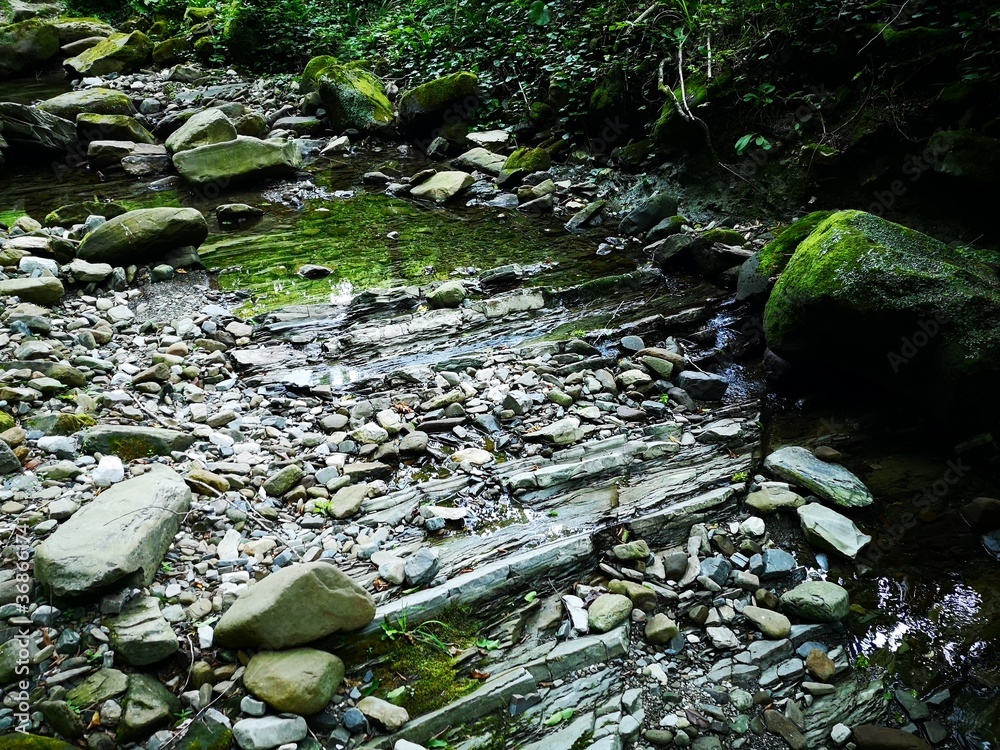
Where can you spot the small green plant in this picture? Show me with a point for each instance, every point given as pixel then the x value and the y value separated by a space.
pixel 578 333
pixel 182 716
pixel 166 567
pixel 486 643
pixel 438 745
pixel 862 662
pixel 752 138
pixel 740 476
pixel 887 697
pixel 73 706
pixel 664 399
pixel 322 506
pixel 761 96
pixel 402 628
pixel 553 514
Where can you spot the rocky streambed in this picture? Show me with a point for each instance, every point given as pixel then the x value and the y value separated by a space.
pixel 497 474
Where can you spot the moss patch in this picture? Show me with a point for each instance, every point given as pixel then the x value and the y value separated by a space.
pixel 436 96
pixel 6 421
pixel 353 96
pixel 776 253
pixel 60 424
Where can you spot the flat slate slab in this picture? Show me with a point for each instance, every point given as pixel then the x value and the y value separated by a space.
pixel 121 535
pixel 829 481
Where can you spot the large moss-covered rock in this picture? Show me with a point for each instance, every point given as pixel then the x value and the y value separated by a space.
pixel 352 96
pixel 142 235
pixel 294 606
pixel 309 82
pixel 28 126
pixel 119 53
pixel 96 101
pixel 301 681
pixel 890 304
pixel 241 160
pixel 77 213
pixel 453 95
pixel 523 162
pixel 24 46
pixel 76 29
pixel 120 536
pixel 202 129
pixel 91 127
pixel 148 706
pixel 757 274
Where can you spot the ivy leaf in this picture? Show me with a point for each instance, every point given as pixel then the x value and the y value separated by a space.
pixel 539 13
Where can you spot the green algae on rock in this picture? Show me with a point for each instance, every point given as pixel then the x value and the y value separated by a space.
pixel 119 53
pixel 888 303
pixel 756 273
pixel 26 45
pixel 352 96
pixel 428 102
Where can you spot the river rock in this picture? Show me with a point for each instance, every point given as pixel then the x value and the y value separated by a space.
pixel 143 235
pixel 77 29
pixel 25 46
pixel 442 187
pixel 772 624
pixel 352 95
pixel 817 601
pixel 241 160
pixel 704 386
pixel 660 629
pixel 523 162
pixel 9 463
pixel 28 126
pixel 140 635
pixel 481 160
pixel 202 129
pixel 120 535
pixel 98 101
pixel 131 442
pixel 78 213
pixel 119 53
pixel 649 213
pixel 269 732
pixel 91 127
pixel 448 294
pixel 871 737
pixel 148 706
pixel 384 713
pixel 296 605
pixel 301 681
pixel 829 481
pixel 608 611
pixel 916 315
pixel 43 290
pixel 771 499
pixel 453 97
pixel 828 529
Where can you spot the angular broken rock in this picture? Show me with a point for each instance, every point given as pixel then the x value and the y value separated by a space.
pixel 121 535
pixel 830 530
pixel 830 481
pixel 296 605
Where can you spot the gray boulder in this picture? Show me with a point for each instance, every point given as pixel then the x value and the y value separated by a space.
pixel 203 129
pixel 120 536
pixel 649 213
pixel 240 160
pixel 30 127
pixel 703 385
pixel 8 461
pixel 148 706
pixel 97 101
pixel 830 530
pixel 817 601
pixel 26 45
pixel 140 635
pixel 143 235
pixel 43 290
pixel 119 53
pixel 442 187
pixel 300 681
pixel 829 481
pixel 295 605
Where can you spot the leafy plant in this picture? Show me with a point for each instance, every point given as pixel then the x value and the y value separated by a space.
pixel 539 13
pixel 489 645
pixel 761 96
pixel 181 716
pixel 862 662
pixel 756 139
pixel 740 476
pixel 664 399
pixel 422 633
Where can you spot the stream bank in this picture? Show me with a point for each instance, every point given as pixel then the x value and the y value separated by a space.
pixel 551 460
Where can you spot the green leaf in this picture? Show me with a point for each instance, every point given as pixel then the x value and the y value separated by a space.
pixel 395 694
pixel 743 143
pixel 531 596
pixel 539 13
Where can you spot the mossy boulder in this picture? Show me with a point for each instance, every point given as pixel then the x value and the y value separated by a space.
pixel 26 45
pixel 91 127
pixel 148 706
pixel 60 424
pixel 119 53
pixel 96 101
pixel 142 235
pixel 170 50
pixel 202 129
pixel 891 305
pixel 426 105
pixel 757 274
pixel 523 162
pixel 724 236
pixel 77 213
pixel 241 160
pixel 309 81
pixel 352 96
pixel 6 421
pixel 72 30
pixel 130 442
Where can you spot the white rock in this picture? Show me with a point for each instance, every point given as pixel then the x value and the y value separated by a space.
pixel 109 471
